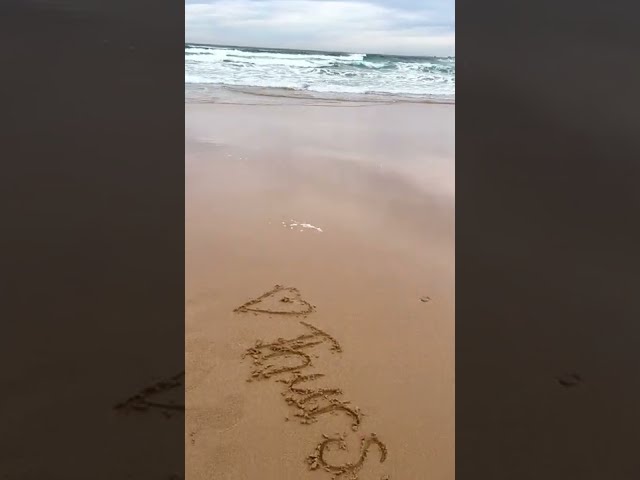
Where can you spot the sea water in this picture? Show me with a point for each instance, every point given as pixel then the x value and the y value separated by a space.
pixel 314 72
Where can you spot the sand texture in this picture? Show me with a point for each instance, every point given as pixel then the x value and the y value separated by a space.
pixel 319 292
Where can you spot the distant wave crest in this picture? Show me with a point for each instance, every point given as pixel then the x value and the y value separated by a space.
pixel 320 71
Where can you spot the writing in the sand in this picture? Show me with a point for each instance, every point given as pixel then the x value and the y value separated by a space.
pixel 289 362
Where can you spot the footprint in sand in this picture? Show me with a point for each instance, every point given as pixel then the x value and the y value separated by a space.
pixel 221 461
pixel 220 417
pixel 198 355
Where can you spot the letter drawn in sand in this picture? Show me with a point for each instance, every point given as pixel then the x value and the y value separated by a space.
pixel 269 370
pixel 317 460
pixel 278 301
pixel 312 402
pixel 290 356
pixel 147 397
pixel 262 352
pixel 315 337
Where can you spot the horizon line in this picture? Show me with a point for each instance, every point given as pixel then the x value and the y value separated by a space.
pixel 317 51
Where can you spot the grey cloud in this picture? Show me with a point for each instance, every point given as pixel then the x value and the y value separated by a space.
pixel 373 26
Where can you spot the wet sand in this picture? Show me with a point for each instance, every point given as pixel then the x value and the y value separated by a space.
pixel 349 209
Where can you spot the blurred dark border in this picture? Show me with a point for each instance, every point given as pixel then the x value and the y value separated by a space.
pixel 92 239
pixel 547 208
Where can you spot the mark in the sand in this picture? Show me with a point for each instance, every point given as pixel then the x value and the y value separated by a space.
pixel 569 380
pixel 293 224
pixel 291 356
pixel 317 460
pixel 425 299
pixel 313 402
pixel 261 352
pixel 309 403
pixel 147 397
pixel 278 301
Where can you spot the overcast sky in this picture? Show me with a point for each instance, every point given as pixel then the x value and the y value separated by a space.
pixel 408 27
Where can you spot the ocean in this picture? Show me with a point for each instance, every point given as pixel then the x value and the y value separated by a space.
pixel 343 75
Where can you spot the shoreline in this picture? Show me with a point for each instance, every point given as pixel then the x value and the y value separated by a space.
pixel 235 94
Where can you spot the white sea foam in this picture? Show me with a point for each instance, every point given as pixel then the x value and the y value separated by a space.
pixel 295 224
pixel 319 71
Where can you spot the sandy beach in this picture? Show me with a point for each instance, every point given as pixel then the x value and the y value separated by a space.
pixel 341 216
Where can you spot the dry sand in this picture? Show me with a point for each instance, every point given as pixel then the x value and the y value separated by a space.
pixel 349 208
